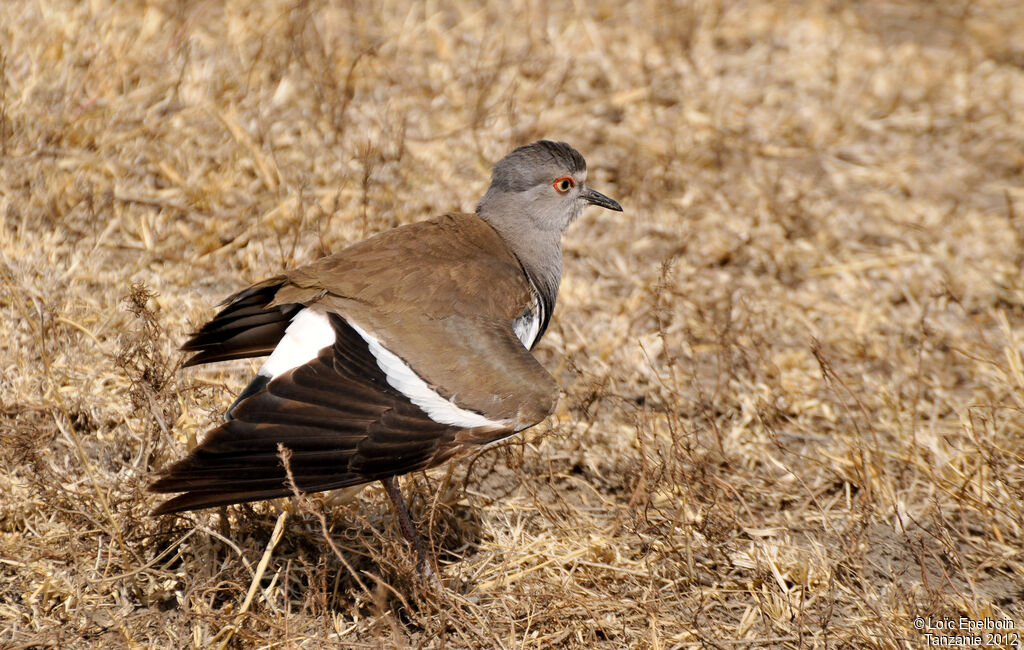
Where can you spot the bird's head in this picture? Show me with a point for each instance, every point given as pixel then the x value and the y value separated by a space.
pixel 544 183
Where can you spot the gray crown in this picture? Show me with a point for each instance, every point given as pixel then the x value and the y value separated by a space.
pixel 531 165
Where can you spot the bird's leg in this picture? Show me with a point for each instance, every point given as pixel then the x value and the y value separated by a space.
pixel 391 487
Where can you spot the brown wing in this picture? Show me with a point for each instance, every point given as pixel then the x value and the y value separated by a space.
pixel 452 264
pixel 337 415
pixel 420 271
pixel 413 290
pixel 442 295
pixel 475 362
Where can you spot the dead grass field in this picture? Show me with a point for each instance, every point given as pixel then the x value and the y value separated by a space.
pixel 793 409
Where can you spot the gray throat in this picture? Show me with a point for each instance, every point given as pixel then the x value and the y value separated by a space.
pixel 539 253
pixel 544 283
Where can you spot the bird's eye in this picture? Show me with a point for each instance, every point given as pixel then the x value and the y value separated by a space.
pixel 564 184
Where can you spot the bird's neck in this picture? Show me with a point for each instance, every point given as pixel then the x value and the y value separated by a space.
pixel 539 252
pixel 545 278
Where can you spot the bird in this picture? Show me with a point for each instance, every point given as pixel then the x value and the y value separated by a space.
pixel 396 354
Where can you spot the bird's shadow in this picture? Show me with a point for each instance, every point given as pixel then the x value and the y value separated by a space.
pixel 348 556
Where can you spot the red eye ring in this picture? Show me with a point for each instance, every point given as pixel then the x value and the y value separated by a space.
pixel 563 184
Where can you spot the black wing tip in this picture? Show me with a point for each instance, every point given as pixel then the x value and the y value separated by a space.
pixel 165 508
pixel 201 499
pixel 163 485
pixel 204 356
pixel 191 501
pixel 194 360
pixel 215 355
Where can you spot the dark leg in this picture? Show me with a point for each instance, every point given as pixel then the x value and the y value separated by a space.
pixel 391 487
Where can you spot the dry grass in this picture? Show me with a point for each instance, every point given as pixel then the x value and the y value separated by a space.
pixel 793 368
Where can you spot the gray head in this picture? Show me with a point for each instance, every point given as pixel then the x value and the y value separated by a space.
pixel 536 192
pixel 544 182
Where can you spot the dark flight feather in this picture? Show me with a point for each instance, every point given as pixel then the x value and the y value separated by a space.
pixel 342 422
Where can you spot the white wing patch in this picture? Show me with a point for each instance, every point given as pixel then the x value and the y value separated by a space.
pixel 527 326
pixel 405 380
pixel 309 332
